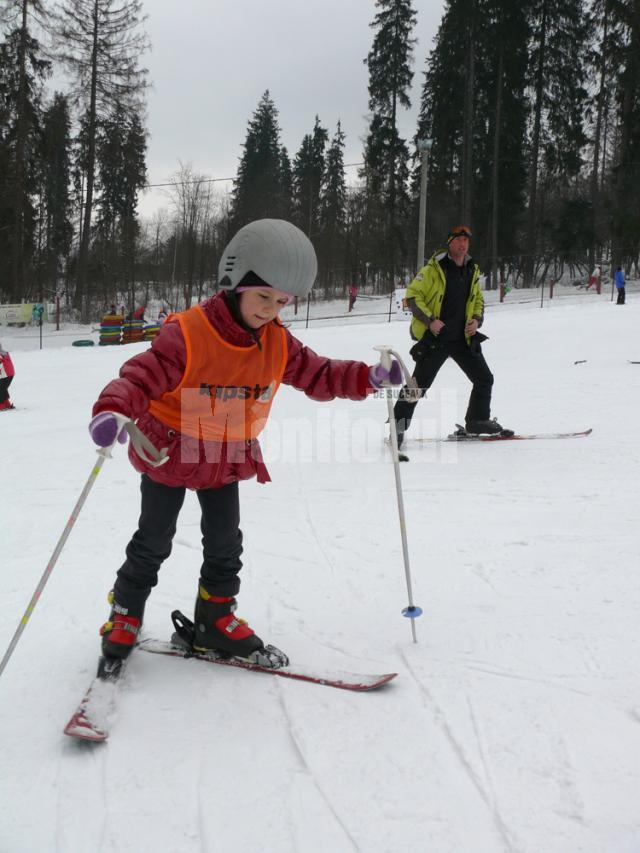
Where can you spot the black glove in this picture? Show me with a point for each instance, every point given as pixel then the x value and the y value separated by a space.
pixel 475 344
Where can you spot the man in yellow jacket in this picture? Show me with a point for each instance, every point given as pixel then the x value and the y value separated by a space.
pixel 448 307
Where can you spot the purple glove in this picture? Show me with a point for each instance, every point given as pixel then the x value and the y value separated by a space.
pixel 380 377
pixel 104 429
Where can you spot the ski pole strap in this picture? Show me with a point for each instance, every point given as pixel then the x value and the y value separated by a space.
pixel 386 352
pixel 144 448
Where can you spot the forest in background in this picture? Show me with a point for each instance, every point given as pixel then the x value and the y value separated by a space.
pixel 532 109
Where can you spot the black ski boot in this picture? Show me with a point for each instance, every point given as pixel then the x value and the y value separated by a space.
pixel 488 427
pixel 217 629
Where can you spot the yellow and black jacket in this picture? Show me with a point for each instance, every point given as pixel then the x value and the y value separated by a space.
pixel 426 292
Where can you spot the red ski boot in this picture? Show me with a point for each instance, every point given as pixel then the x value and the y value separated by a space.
pixel 218 629
pixel 119 634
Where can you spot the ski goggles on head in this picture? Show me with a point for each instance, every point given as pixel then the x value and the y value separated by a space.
pixel 459 231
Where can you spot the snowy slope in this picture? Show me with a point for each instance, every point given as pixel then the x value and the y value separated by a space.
pixel 514 723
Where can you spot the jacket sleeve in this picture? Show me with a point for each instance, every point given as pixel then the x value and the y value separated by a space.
pixel 324 378
pixel 146 376
pixel 477 298
pixel 420 295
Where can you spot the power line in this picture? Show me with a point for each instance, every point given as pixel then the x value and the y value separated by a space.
pixel 214 180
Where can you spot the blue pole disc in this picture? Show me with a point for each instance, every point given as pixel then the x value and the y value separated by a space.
pixel 412 612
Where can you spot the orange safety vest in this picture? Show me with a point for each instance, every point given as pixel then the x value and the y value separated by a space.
pixel 226 391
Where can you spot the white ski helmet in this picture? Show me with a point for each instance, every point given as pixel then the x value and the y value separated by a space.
pixel 276 251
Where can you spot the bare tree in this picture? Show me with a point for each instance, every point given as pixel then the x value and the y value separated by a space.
pixel 190 199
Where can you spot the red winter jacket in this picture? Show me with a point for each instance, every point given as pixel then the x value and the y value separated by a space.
pixel 195 463
pixel 7 366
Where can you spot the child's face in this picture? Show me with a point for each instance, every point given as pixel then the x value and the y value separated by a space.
pixel 261 305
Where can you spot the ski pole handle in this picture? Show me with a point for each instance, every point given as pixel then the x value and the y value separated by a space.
pixel 385 355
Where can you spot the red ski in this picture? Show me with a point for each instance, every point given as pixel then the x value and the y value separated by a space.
pixel 90 720
pixel 343 680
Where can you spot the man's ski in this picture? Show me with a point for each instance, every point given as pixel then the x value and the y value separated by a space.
pixel 457 436
pixel 465 436
pixel 343 680
pixel 90 721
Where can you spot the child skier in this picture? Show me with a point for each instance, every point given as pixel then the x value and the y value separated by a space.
pixel 204 390
pixel 7 372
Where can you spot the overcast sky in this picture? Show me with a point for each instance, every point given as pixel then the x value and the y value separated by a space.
pixel 211 61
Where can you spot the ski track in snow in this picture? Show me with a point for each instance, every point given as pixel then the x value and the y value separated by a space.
pixel 439 717
pixel 311 775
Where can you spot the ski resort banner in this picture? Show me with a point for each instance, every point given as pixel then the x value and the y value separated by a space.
pixel 402 311
pixel 23 313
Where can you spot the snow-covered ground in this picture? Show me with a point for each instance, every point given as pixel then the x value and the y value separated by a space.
pixel 514 723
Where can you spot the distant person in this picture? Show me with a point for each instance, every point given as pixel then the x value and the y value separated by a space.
pixel 7 372
pixel 162 315
pixel 138 314
pixel 353 295
pixel 620 282
pixel 594 279
pixel 448 309
pixel 112 310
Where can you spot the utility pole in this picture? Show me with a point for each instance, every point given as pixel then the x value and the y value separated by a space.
pixel 424 147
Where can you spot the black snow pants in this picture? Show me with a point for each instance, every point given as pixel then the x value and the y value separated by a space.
pixel 470 361
pixel 4 388
pixel 151 543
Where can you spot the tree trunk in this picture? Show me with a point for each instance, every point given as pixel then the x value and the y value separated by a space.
pixel 597 137
pixel 624 166
pixel 467 141
pixel 83 256
pixel 17 266
pixel 495 170
pixel 530 244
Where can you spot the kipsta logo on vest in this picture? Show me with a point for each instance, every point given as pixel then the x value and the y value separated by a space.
pixel 259 393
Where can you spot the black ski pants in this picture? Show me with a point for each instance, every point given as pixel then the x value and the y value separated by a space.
pixel 473 365
pixel 621 295
pixel 4 388
pixel 151 543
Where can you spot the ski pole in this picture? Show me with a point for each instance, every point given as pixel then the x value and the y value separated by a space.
pixel 140 443
pixel 411 611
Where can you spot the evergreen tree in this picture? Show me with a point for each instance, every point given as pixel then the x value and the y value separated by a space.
pixel 22 74
pixel 557 76
pixel 100 42
pixel 259 186
pixel 626 205
pixel 501 117
pixel 333 203
pixel 307 176
pixel 25 134
pixel 54 156
pixel 121 150
pixel 386 154
pixel 603 67
pixel 286 181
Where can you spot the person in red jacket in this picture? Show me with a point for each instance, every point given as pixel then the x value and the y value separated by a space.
pixel 7 372
pixel 204 390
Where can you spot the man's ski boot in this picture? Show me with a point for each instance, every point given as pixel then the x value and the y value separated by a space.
pixel 488 427
pixel 217 630
pixel 120 632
